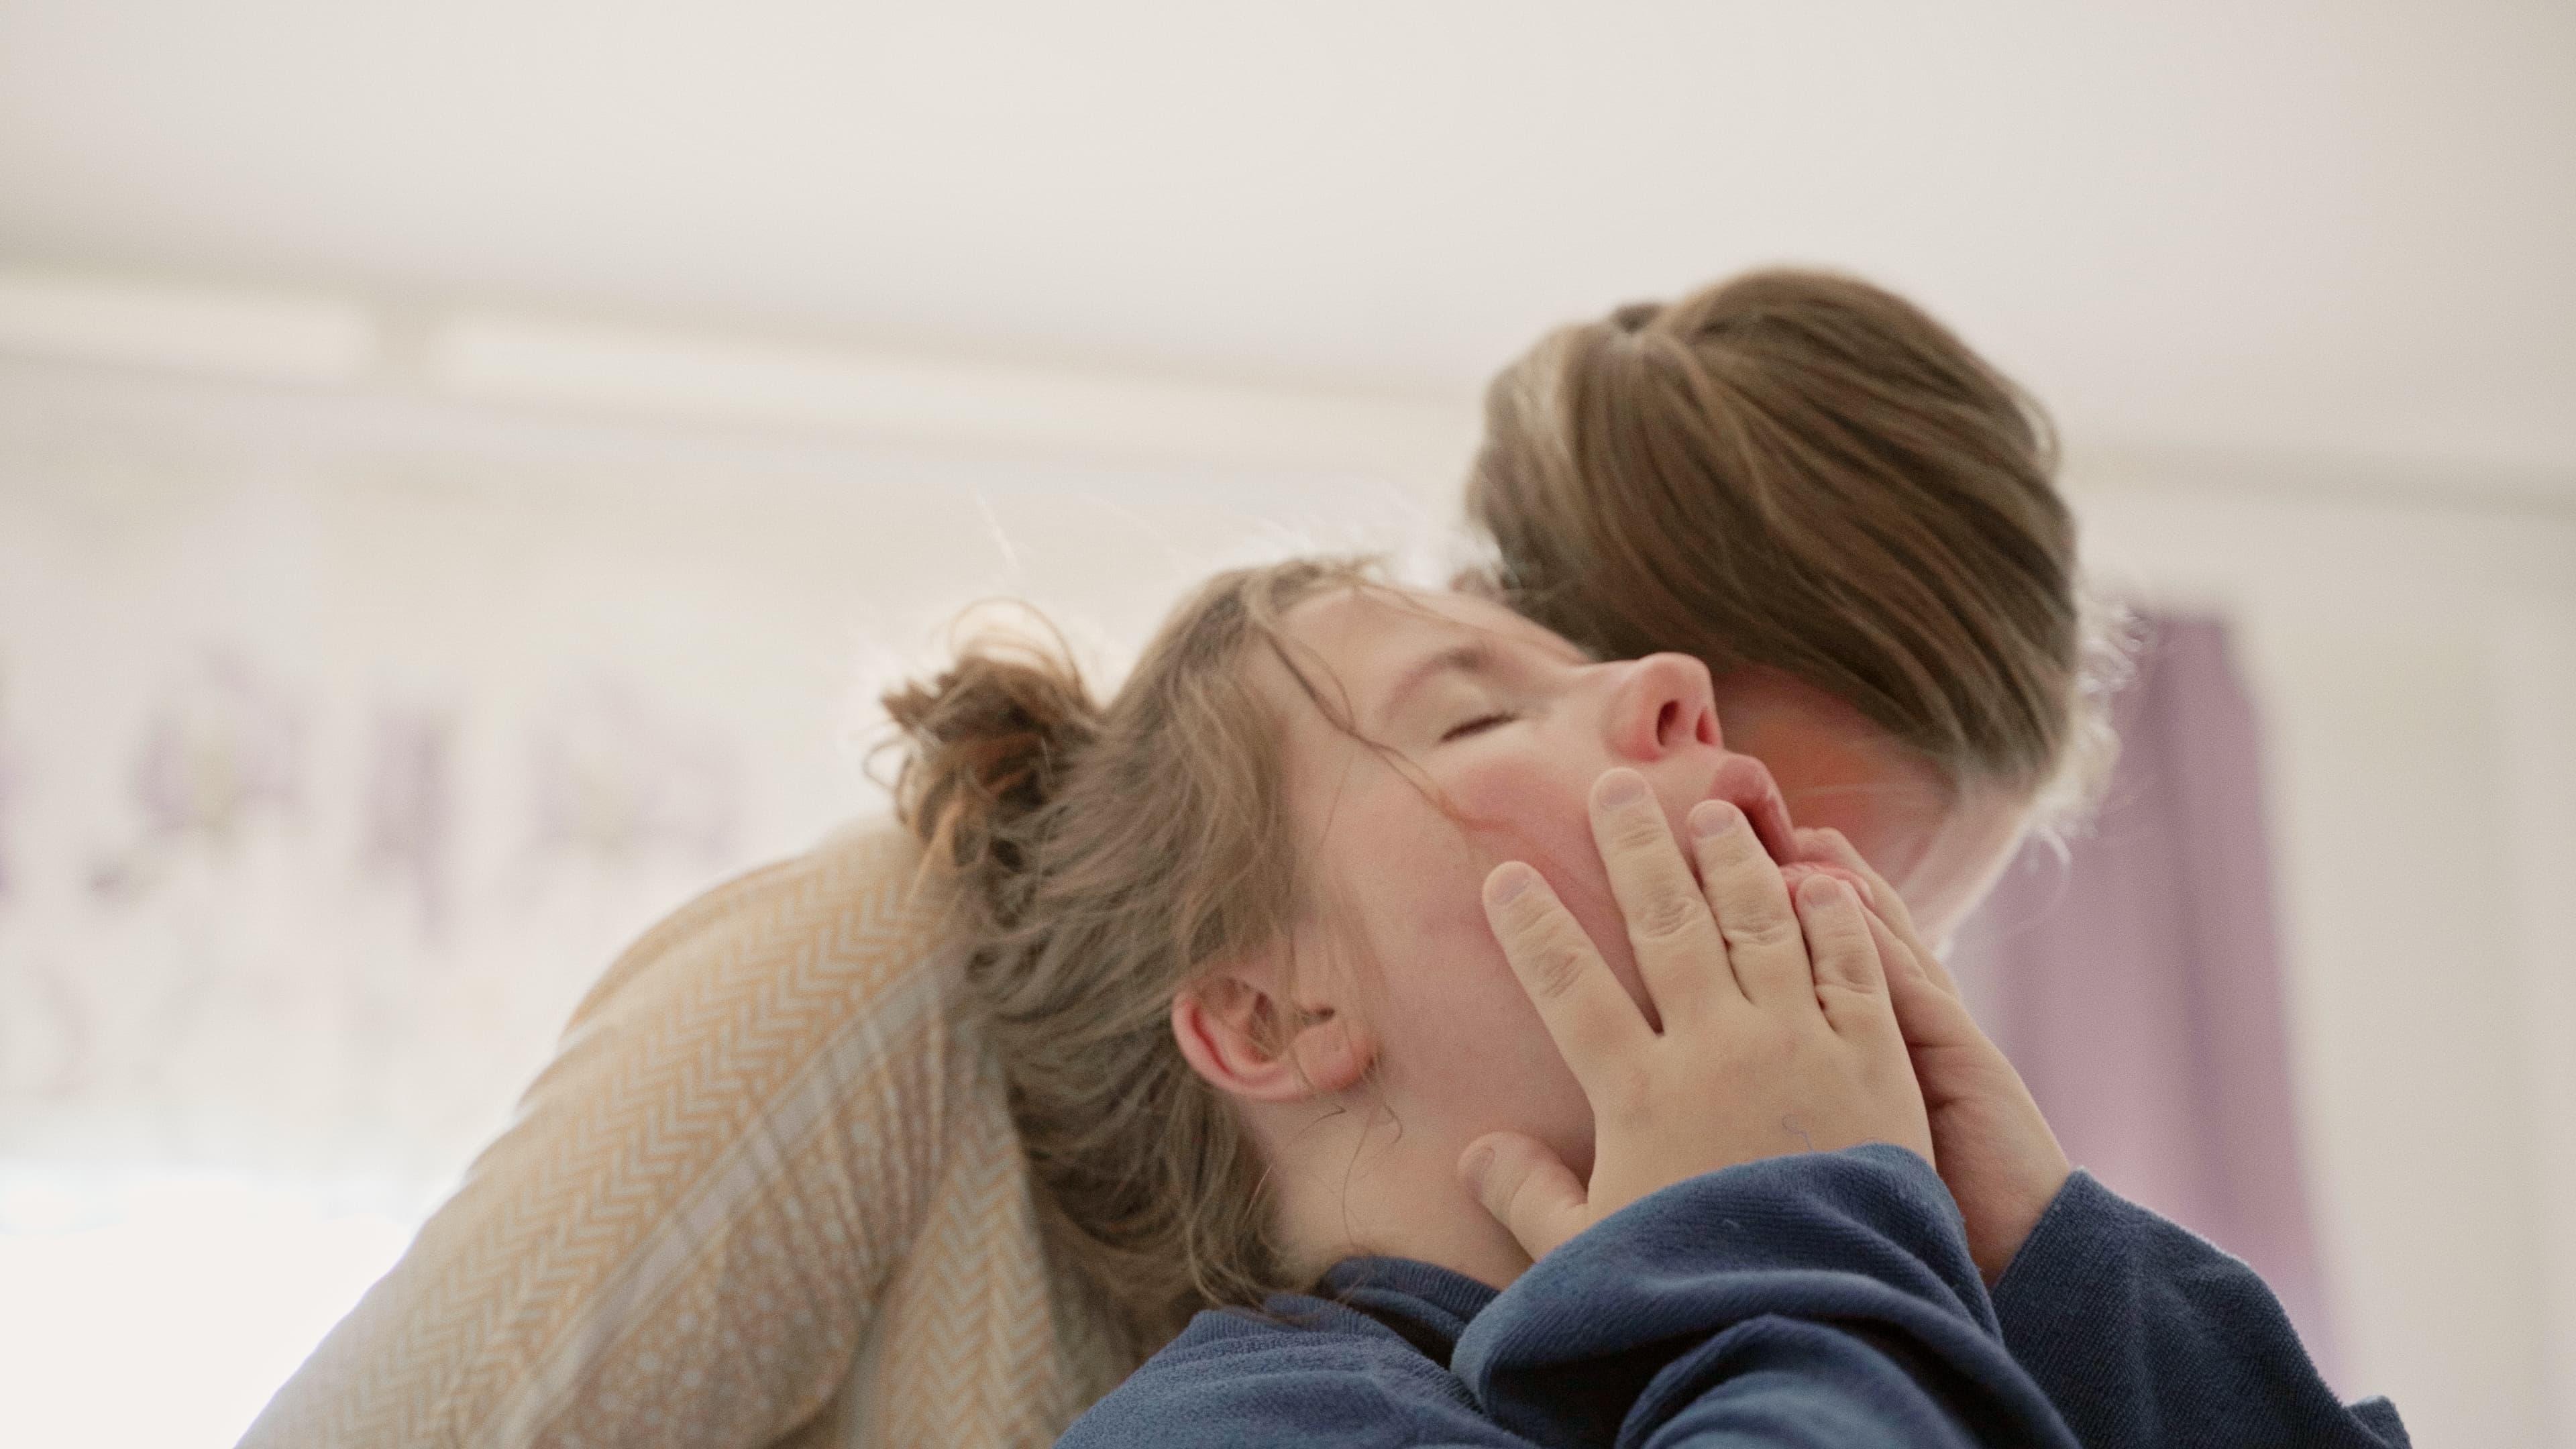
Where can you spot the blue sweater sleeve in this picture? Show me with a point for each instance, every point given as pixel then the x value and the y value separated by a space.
pixel 2143 1333
pixel 1819 1299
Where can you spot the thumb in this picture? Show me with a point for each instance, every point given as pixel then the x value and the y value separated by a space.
pixel 1526 1188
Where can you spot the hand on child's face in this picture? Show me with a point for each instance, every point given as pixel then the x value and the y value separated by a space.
pixel 1776 1013
pixel 1510 726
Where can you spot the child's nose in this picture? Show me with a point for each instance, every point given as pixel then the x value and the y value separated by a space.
pixel 1665 704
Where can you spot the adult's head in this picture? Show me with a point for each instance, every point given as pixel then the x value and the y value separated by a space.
pixel 1816 488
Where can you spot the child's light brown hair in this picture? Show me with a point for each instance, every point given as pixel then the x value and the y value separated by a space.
pixel 1101 857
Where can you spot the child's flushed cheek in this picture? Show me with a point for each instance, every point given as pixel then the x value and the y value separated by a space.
pixel 1522 814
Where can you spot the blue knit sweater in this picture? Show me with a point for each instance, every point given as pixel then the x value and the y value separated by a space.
pixel 1821 1299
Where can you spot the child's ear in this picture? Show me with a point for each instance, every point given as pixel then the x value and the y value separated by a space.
pixel 1242 1033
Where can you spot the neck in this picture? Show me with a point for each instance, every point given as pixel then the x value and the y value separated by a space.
pixel 1353 1184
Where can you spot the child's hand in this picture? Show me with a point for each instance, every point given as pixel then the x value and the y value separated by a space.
pixel 1778 1033
pixel 2002 1163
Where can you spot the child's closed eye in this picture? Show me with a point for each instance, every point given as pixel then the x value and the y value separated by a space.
pixel 1478 725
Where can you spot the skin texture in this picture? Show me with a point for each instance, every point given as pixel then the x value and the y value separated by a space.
pixel 1940 845
pixel 1390 1034
pixel 1995 1151
pixel 1778 1010
pixel 1928 853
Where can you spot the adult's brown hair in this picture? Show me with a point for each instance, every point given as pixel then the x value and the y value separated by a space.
pixel 1804 472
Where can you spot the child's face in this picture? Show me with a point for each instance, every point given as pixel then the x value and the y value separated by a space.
pixel 1512 725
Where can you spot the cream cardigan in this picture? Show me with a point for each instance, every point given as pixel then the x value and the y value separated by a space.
pixel 768 1193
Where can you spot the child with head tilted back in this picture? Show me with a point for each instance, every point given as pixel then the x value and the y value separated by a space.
pixel 1286 949
pixel 1446 1000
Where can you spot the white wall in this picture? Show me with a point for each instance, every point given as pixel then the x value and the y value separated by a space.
pixel 689 616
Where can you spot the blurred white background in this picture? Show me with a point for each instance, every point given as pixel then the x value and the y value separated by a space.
pixel 461 464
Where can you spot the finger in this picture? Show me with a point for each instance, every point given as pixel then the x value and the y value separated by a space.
pixel 1955 1063
pixel 1824 845
pixel 1850 981
pixel 1526 1188
pixel 1679 952
pixel 1763 942
pixel 1799 870
pixel 1930 1017
pixel 1588 1013
pixel 1833 847
pixel 1897 957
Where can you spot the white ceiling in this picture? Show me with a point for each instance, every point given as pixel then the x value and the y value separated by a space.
pixel 2338 229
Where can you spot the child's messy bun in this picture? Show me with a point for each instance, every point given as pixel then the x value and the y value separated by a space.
pixel 985 746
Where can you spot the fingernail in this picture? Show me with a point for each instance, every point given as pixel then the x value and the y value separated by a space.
pixel 1508 882
pixel 1821 890
pixel 1711 818
pixel 1622 787
pixel 1479 1158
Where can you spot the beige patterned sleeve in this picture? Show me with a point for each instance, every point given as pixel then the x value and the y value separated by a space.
pixel 686 1236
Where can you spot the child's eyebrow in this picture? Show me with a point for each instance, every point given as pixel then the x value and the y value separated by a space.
pixel 1474 657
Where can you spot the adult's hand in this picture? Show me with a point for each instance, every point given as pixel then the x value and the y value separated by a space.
pixel 1991 1144
pixel 1778 1034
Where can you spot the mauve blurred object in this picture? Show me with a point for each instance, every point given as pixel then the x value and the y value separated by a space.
pixel 2137 981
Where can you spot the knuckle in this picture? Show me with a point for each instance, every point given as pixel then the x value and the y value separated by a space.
pixel 1761 932
pixel 1835 968
pixel 1850 940
pixel 1555 965
pixel 1831 935
pixel 1536 924
pixel 1667 916
pixel 1851 997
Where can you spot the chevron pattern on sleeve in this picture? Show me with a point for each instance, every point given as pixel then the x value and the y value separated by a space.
pixel 767 1193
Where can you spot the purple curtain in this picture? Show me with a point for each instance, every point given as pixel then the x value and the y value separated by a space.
pixel 2137 982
